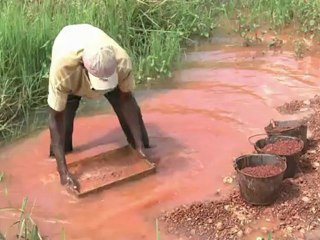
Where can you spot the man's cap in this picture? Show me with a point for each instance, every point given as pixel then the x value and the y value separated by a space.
pixel 101 64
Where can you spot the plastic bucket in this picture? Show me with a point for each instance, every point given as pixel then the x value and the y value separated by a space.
pixel 292 128
pixel 292 160
pixel 259 190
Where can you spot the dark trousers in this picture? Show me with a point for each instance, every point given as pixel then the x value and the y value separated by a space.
pixel 113 97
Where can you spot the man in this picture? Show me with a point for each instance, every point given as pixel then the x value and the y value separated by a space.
pixel 86 62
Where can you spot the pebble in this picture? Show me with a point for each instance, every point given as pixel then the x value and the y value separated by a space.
pixel 315 165
pixel 219 226
pixel 228 180
pixel 289 229
pixel 210 221
pixel 306 199
pixel 264 229
pixel 307 102
pixel 193 232
pixel 240 234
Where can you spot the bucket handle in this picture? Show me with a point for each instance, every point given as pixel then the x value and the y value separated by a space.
pixel 256 135
pixel 273 123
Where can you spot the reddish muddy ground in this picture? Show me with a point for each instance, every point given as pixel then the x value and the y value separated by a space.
pixel 199 123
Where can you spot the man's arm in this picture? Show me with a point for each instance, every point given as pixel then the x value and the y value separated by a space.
pixel 129 107
pixel 132 116
pixel 56 126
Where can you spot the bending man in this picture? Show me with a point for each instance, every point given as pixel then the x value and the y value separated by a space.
pixel 86 62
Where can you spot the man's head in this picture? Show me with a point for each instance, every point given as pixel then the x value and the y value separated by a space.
pixel 101 64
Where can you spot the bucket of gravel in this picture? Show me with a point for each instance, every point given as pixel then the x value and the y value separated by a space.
pixel 259 177
pixel 292 128
pixel 285 146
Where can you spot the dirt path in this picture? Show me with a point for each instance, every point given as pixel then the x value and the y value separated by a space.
pixel 199 124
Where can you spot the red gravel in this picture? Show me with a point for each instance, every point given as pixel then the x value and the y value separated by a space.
pixel 263 170
pixel 314 124
pixel 291 107
pixel 297 209
pixel 283 147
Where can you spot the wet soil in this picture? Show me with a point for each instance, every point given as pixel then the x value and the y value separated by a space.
pixel 262 171
pixel 199 121
pixel 285 147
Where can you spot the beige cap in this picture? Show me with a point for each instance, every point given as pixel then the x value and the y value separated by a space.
pixel 101 64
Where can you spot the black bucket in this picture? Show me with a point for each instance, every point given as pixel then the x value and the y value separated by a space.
pixel 292 160
pixel 292 128
pixel 259 190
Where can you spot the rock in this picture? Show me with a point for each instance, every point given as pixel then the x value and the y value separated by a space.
pixel 218 192
pixel 240 234
pixel 219 226
pixel 315 165
pixel 264 230
pixel 228 180
pixel 306 102
pixel 289 229
pixel 193 232
pixel 210 221
pixel 306 199
pixel 312 151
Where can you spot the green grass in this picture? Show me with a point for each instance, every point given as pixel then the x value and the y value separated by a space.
pixel 157 230
pixel 153 32
pixel 26 228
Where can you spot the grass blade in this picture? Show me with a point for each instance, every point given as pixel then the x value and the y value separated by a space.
pixel 157 230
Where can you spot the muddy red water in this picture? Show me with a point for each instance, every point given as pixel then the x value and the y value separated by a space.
pixel 199 123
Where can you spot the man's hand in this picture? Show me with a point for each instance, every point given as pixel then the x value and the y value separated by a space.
pixel 70 182
pixel 56 125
